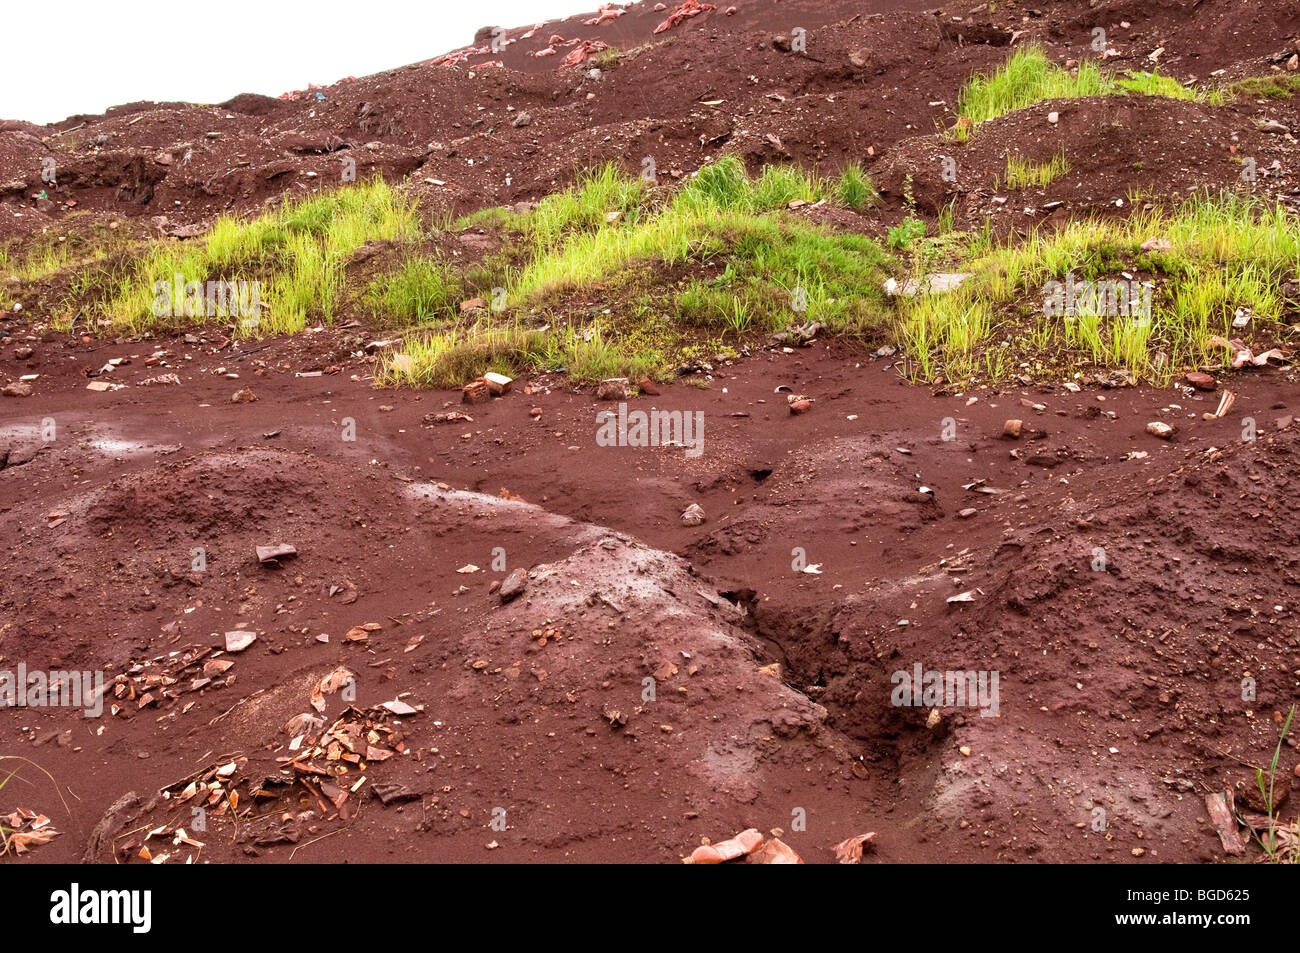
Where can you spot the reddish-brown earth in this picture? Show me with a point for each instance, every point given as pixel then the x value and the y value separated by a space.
pixel 1120 689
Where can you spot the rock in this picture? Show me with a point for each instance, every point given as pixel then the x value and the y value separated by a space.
pixel 513 585
pixel 615 388
pixel 239 640
pixel 967 513
pixel 17 389
pixel 800 406
pixel 1158 428
pixel 746 842
pixel 647 386
pixel 476 392
pixel 1271 126
pixel 274 552
pixel 693 515
pixel 1012 429
pixel 781 42
pixel 1200 381
pixel 498 384
pixel 523 119
pixel 245 396
pixel 23 353
pixel 774 852
pixel 937 283
pixel 471 304
pixel 1248 790
pixel 1053 118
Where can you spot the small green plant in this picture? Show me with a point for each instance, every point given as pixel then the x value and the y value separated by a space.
pixel 607 59
pixel 855 190
pixel 1270 839
pixel 902 235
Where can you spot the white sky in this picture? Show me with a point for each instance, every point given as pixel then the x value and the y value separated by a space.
pixel 98 54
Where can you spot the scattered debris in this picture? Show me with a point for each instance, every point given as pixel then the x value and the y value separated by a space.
pixel 849 850
pixel 746 842
pixel 1219 806
pixel 275 552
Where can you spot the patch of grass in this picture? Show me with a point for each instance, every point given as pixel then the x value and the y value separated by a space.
pixel 1227 253
pixel 1024 173
pixel 1153 84
pixel 1029 77
pixel 854 190
pixel 1281 86
pixel 296 252
pixel 742 265
pixel 420 291
pixel 586 206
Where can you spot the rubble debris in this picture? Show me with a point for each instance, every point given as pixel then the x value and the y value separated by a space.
pixel 849 850
pixel 746 842
pixel 275 552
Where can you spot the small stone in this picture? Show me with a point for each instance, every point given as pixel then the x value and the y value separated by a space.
pixel 476 392
pixel 693 515
pixel 239 640
pixel 647 386
pixel 1158 428
pixel 1200 380
pixel 1012 429
pixel 498 384
pixel 17 389
pixel 513 585
pixel 245 396
pixel 967 513
pixel 471 304
pixel 614 388
pixel 23 353
pixel 1053 117
pixel 523 119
